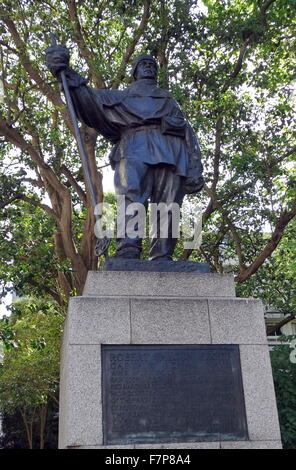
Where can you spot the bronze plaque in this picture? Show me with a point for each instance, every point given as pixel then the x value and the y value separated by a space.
pixel 172 393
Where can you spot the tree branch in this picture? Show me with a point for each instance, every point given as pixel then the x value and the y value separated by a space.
pixel 271 245
pixel 30 200
pixel 65 224
pixel 37 183
pixel 217 154
pixel 208 259
pixel 238 65
pixel 8 201
pixel 49 291
pixel 210 208
pixel 15 138
pixel 35 203
pixel 74 184
pixel 273 329
pixel 131 47
pixel 266 5
pixel 85 52
pixel 283 157
pixel 263 9
pixel 61 201
pixel 231 226
pixel 12 49
pixel 33 73
pixel 118 43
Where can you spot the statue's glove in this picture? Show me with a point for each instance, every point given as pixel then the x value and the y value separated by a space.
pixel 57 59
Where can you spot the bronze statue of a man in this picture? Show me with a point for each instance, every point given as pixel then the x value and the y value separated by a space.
pixel 155 156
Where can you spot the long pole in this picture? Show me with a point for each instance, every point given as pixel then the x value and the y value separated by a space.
pixel 77 132
pixel 102 244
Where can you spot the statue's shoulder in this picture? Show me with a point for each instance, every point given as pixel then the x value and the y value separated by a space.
pixel 111 97
pixel 163 93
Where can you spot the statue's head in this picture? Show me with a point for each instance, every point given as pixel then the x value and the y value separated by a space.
pixel 57 53
pixel 144 66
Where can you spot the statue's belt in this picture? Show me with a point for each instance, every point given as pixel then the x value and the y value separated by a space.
pixel 132 130
pixel 164 128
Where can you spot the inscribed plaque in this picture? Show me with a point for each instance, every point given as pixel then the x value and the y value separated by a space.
pixel 172 393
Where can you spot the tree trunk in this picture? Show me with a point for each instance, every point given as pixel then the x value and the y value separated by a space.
pixel 28 426
pixel 42 416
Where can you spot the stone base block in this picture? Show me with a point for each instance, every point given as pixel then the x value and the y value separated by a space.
pixel 155 284
pixel 126 308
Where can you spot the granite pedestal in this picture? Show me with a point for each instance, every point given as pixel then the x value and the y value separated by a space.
pixel 162 309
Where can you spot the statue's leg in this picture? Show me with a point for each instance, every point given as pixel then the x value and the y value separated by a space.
pixel 167 197
pixel 133 180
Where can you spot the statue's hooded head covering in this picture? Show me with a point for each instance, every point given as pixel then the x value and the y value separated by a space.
pixel 138 59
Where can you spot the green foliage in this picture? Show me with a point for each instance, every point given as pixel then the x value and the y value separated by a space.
pixel 31 338
pixel 29 375
pixel 274 283
pixel 284 374
pixel 26 250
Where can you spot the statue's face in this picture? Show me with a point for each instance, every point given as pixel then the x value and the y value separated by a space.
pixel 57 55
pixel 146 69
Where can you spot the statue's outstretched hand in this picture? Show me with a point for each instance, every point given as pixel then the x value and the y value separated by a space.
pixel 57 59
